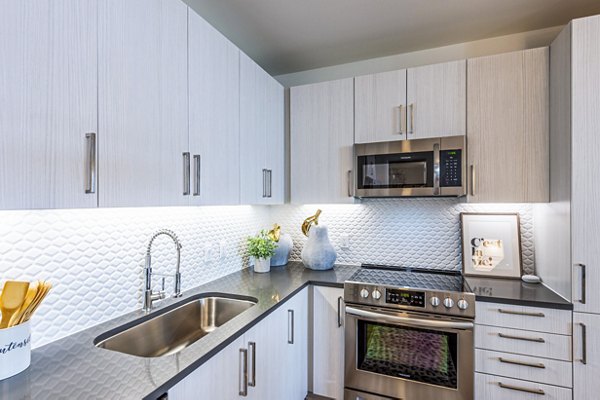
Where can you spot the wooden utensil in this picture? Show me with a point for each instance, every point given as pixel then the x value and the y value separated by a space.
pixel 45 288
pixel 31 295
pixel 13 296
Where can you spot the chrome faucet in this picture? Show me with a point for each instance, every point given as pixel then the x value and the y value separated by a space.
pixel 149 295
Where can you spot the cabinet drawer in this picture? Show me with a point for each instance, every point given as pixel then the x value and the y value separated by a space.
pixel 491 387
pixel 535 369
pixel 518 341
pixel 521 317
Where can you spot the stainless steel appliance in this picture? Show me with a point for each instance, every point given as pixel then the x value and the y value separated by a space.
pixel 420 167
pixel 408 335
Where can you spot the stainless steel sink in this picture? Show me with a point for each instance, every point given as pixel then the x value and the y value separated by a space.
pixel 176 328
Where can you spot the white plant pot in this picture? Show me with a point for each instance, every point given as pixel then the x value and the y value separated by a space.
pixel 15 350
pixel 262 265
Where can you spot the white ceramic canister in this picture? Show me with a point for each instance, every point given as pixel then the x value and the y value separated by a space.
pixel 15 349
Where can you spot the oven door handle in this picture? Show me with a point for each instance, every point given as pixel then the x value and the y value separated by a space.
pixel 414 322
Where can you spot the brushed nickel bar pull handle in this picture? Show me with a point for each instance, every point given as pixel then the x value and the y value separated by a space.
pixel 264 176
pixel 197 172
pixel 402 120
pixel 412 119
pixel 270 182
pixel 521 389
pixel 350 183
pixel 186 173
pixel 583 284
pixel 583 343
pixel 527 314
pixel 243 385
pixel 252 382
pixel 91 150
pixel 339 311
pixel 527 339
pixel 472 180
pixel 523 363
pixel 290 326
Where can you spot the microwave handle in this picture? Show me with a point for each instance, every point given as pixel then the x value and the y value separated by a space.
pixel 414 322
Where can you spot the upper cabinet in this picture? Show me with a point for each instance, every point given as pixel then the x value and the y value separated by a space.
pixel 322 136
pixel 437 100
pixel 262 175
pixel 214 115
pixel 380 107
pixel 508 127
pixel 143 124
pixel 422 102
pixel 48 106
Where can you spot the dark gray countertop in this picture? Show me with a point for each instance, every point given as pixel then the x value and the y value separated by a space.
pixel 515 291
pixel 73 368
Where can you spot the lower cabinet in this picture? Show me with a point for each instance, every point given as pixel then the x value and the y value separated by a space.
pixel 586 356
pixel 268 362
pixel 328 342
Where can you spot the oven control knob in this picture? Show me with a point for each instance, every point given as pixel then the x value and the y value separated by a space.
pixel 364 293
pixel 462 304
pixel 448 302
pixel 376 294
pixel 435 301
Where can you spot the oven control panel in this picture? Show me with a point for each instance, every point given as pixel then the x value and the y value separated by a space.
pixel 405 297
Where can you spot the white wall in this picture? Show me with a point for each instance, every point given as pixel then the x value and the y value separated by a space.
pixel 500 44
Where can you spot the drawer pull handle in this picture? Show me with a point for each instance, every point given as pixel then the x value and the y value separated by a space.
pixel 583 343
pixel 527 314
pixel 527 339
pixel 523 363
pixel 521 389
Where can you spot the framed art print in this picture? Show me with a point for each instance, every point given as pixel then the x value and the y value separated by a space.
pixel 491 245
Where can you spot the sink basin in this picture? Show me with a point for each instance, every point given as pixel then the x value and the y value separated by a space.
pixel 175 328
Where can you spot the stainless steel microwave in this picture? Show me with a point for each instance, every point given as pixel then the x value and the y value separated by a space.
pixel 411 168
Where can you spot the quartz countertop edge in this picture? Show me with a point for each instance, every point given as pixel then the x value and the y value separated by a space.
pixel 517 292
pixel 73 367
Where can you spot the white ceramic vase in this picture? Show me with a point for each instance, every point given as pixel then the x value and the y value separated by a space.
pixel 283 250
pixel 262 265
pixel 318 252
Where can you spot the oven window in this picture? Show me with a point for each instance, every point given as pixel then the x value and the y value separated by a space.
pixel 389 171
pixel 419 355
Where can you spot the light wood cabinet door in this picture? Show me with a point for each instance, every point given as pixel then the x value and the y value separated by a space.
pixel 436 97
pixel 380 101
pixel 508 127
pixel 322 137
pixel 261 135
pixel 585 193
pixel 48 102
pixel 214 115
pixel 586 356
pixel 142 106
pixel 217 378
pixel 328 342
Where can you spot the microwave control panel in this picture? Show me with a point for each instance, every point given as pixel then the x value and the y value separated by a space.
pixel 405 297
pixel 450 168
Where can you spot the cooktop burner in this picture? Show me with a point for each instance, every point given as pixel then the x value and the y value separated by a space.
pixel 421 289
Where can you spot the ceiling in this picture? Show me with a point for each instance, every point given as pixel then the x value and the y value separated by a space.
pixel 286 36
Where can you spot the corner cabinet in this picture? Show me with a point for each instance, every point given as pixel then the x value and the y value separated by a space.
pixel 414 103
pixel 328 342
pixel 508 127
pixel 267 362
pixel 48 103
pixel 214 115
pixel 262 175
pixel 142 102
pixel 322 137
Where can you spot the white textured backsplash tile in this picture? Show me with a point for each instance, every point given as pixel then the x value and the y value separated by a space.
pixel 411 232
pixel 94 258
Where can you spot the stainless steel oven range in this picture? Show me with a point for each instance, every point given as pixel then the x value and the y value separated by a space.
pixel 408 335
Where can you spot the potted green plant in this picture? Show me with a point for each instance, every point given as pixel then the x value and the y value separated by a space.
pixel 262 248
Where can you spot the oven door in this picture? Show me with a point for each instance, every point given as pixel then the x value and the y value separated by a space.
pixel 404 355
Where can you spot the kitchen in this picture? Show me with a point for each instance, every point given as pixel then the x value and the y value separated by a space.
pixel 144 145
